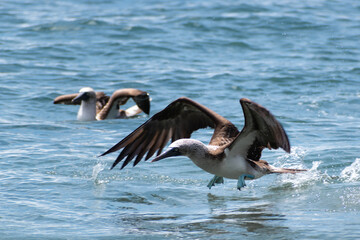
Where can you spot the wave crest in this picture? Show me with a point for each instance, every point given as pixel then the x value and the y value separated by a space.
pixel 352 172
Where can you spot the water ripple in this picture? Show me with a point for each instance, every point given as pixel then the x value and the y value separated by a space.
pixel 298 59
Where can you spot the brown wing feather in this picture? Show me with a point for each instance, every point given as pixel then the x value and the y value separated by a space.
pixel 178 120
pixel 261 130
pixel 66 99
pixel 101 99
pixel 141 98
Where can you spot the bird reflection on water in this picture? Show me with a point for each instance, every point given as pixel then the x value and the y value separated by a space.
pixel 250 214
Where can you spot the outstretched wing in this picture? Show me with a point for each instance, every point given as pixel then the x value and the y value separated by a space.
pixel 261 130
pixel 121 96
pixel 142 100
pixel 178 120
pixel 66 99
pixel 101 99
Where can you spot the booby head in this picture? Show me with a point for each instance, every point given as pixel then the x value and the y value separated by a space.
pixel 87 98
pixel 85 94
pixel 170 152
pixel 191 148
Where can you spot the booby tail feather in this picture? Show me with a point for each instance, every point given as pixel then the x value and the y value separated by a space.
pixel 287 170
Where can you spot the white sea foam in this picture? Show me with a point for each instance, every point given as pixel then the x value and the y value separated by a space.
pixel 292 160
pixel 352 172
pixel 95 173
pixel 310 177
pixel 302 179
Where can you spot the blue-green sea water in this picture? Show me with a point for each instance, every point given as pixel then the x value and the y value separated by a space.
pixel 299 59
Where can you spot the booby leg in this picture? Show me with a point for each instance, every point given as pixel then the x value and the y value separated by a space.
pixel 241 180
pixel 214 180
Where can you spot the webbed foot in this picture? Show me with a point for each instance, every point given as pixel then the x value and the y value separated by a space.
pixel 241 180
pixel 214 180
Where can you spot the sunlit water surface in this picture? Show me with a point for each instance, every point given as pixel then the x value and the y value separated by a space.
pixel 298 59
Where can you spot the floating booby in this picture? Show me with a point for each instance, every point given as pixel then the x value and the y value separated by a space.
pixel 99 106
pixel 229 154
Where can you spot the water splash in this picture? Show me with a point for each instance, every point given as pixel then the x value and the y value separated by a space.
pixel 295 160
pixel 352 172
pixel 292 160
pixel 304 179
pixel 95 173
pixel 313 175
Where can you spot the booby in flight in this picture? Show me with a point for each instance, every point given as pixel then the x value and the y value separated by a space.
pixel 230 153
pixel 98 106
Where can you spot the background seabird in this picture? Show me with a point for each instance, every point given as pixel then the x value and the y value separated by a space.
pixel 98 106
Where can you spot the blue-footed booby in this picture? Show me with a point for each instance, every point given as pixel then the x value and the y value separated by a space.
pixel 98 106
pixel 229 154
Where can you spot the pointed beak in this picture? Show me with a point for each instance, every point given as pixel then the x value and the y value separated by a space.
pixel 82 96
pixel 143 102
pixel 171 152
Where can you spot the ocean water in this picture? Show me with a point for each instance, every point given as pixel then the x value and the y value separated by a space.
pixel 299 59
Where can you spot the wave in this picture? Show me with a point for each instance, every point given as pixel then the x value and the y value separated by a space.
pixel 352 172
pixel 313 176
pixel 301 180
